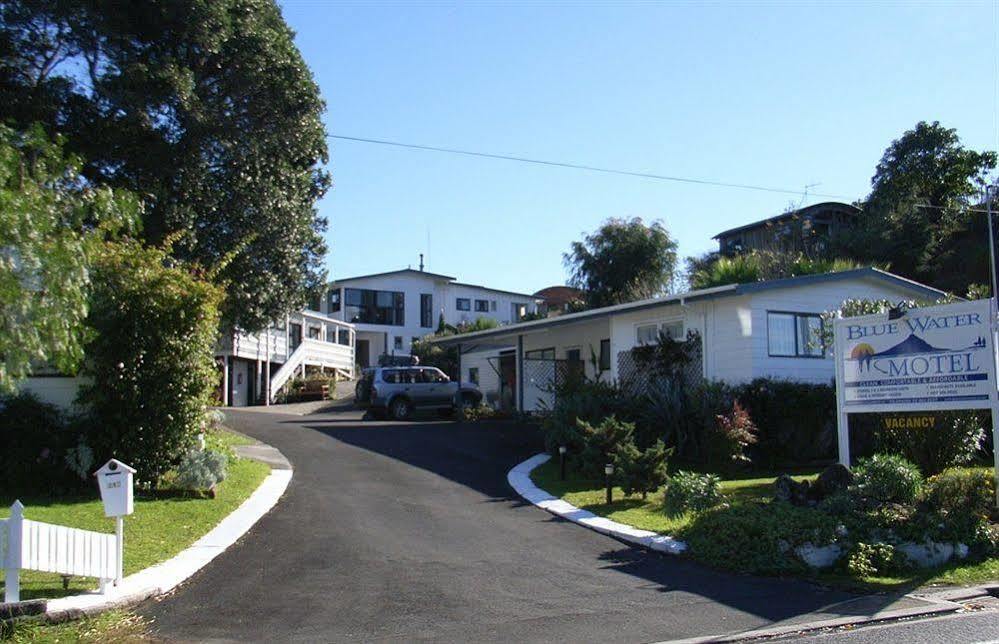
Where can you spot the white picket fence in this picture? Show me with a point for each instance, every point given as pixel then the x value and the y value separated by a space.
pixel 33 545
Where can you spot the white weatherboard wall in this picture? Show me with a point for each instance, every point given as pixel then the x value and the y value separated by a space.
pixel 487 363
pixel 60 391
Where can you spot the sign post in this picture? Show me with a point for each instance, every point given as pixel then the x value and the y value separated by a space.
pixel 928 359
pixel 114 479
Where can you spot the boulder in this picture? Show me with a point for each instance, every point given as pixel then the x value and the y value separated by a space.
pixel 927 555
pixel 787 489
pixel 818 557
pixel 835 478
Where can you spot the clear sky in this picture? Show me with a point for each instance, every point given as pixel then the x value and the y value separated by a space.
pixel 772 94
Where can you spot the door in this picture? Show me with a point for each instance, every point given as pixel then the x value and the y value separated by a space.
pixel 508 380
pixel 440 389
pixel 240 385
pixel 362 351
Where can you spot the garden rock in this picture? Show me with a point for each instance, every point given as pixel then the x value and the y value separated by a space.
pixel 929 554
pixel 817 557
pixel 835 478
pixel 787 489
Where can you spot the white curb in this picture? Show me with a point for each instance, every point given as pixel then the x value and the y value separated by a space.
pixel 165 576
pixel 519 479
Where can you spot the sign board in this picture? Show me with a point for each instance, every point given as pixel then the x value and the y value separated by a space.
pixel 933 358
pixel 115 482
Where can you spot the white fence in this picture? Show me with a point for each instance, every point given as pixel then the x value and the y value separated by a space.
pixel 33 545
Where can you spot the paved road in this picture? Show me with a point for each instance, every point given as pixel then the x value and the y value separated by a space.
pixel 409 531
pixel 953 629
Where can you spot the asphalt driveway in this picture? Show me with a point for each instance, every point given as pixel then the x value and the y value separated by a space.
pixel 403 531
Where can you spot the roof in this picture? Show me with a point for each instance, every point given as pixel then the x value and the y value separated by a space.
pixel 496 290
pixel 690 296
pixel 403 270
pixel 807 210
pixel 559 294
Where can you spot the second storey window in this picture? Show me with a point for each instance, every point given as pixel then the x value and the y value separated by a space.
pixel 368 306
pixel 333 300
pixel 482 306
pixel 794 335
pixel 463 304
pixel 426 310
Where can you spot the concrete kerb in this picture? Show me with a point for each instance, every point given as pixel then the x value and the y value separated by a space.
pixel 520 480
pixel 163 577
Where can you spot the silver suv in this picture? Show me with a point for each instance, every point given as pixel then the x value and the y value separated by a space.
pixel 401 390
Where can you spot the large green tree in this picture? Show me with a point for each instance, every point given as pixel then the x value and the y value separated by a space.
pixel 920 214
pixel 623 261
pixel 203 108
pixel 51 225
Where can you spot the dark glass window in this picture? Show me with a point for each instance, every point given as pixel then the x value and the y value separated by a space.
pixel 333 300
pixel 426 310
pixel 368 306
pixel 463 304
pixel 482 306
pixel 605 356
pixel 296 335
pixel 473 375
pixel 794 335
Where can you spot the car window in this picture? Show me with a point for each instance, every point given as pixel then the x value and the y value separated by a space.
pixel 390 376
pixel 436 375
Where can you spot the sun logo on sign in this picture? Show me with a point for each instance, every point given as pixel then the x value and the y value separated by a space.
pixel 862 353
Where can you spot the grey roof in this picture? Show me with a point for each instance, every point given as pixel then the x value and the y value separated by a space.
pixel 825 205
pixel 690 296
pixel 402 270
pixel 530 297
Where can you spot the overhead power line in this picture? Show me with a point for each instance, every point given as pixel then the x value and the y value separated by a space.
pixel 579 166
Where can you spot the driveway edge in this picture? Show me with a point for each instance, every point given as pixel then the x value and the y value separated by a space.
pixel 519 479
pixel 165 576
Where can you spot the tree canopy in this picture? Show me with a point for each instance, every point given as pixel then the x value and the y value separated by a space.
pixel 51 226
pixel 206 110
pixel 919 216
pixel 623 261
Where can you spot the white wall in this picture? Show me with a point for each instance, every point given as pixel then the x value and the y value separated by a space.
pixel 487 362
pixel 584 336
pixel 55 390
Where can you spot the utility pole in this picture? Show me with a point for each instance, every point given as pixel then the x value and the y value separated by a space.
pixel 992 243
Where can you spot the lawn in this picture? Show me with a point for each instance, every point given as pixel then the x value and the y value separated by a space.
pixel 163 524
pixel 649 515
pixel 112 626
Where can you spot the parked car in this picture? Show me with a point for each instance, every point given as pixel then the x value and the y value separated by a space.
pixel 398 391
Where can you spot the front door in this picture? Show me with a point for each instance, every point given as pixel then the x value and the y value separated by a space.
pixel 508 380
pixel 362 351
pixel 240 385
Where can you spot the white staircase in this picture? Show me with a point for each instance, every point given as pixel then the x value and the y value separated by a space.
pixel 314 353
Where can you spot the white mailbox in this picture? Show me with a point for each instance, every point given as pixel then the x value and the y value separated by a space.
pixel 115 481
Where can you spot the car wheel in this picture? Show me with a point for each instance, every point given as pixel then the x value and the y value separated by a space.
pixel 468 401
pixel 401 409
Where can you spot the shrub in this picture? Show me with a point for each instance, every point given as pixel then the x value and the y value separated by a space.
pixel 962 497
pixel 796 422
pixel 888 478
pixel 601 442
pixel 34 439
pixel 690 491
pixel 480 412
pixel 953 440
pixel 151 360
pixel 756 538
pixel 642 470
pixel 587 400
pixel 734 432
pixel 705 402
pixel 200 470
pixel 869 560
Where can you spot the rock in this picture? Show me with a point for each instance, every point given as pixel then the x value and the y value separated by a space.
pixel 961 551
pixel 835 478
pixel 819 556
pixel 787 489
pixel 927 555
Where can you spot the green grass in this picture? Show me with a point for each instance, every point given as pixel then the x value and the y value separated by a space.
pixel 112 626
pixel 162 525
pixel 650 515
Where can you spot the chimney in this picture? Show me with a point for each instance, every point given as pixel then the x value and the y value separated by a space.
pixel 421 262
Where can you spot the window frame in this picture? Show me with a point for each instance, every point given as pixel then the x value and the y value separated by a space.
pixel 427 310
pixel 604 359
pixel 463 303
pixel 473 375
pixel 542 353
pixel 796 316
pixel 481 306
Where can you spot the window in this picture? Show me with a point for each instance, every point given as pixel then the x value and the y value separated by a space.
pixel 374 307
pixel 540 354
pixel 397 343
pixel 343 336
pixel 674 330
pixel 481 306
pixel 473 375
pixel 605 356
pixel 649 333
pixel 333 300
pixel 426 310
pixel 314 332
pixel 463 304
pixel 296 335
pixel 794 335
pixel 492 305
pixel 517 311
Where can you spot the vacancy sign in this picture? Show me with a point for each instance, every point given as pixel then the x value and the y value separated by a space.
pixel 933 358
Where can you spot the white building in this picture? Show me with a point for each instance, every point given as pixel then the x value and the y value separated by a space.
pixel 390 310
pixel 747 331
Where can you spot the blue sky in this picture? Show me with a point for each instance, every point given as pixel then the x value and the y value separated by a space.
pixel 772 94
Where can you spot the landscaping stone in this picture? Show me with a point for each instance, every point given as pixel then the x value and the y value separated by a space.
pixel 819 556
pixel 929 554
pixel 787 489
pixel 835 478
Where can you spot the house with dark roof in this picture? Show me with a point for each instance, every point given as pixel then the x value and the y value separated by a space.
pixel 805 230
pixel 747 331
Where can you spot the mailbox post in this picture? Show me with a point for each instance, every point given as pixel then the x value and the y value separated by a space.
pixel 115 482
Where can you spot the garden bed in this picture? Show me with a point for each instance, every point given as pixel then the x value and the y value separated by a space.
pixel 748 503
pixel 164 523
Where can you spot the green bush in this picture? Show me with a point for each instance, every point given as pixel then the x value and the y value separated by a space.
pixel 601 443
pixel 641 470
pixel 151 359
pixel 888 478
pixel 691 492
pixel 34 440
pixel 962 498
pixel 796 422
pixel 871 559
pixel 587 400
pixel 756 538
pixel 705 402
pixel 955 439
pixel 200 470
